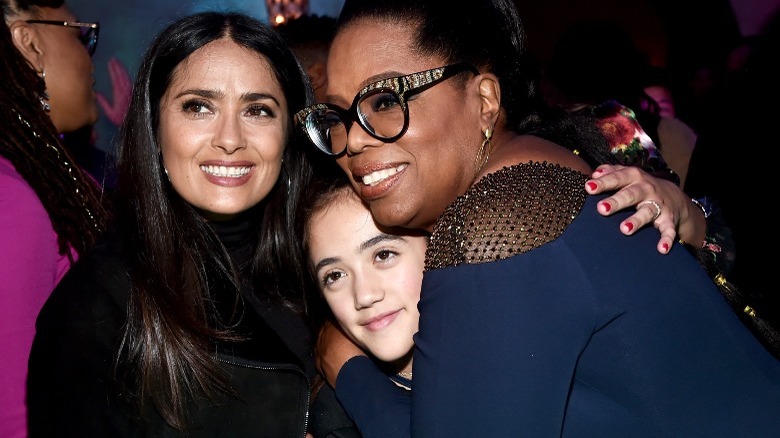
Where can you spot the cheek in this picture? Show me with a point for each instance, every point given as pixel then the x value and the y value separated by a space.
pixel 412 285
pixel 273 147
pixel 341 304
pixel 342 163
pixel 173 141
pixel 73 83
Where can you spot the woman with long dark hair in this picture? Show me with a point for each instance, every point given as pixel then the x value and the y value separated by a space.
pixel 187 320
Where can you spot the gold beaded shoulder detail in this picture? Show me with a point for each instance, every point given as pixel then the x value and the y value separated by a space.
pixel 508 212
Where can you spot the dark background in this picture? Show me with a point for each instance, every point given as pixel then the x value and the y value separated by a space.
pixel 683 35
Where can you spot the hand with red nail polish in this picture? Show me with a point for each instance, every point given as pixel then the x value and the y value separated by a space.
pixel 629 186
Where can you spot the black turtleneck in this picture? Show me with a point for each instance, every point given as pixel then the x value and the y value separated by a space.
pixel 239 236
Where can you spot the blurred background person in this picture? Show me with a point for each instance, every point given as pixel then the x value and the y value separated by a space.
pixel 658 86
pixel 595 61
pixel 51 211
pixel 309 36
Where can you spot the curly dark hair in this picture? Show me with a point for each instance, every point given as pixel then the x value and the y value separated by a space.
pixel 30 141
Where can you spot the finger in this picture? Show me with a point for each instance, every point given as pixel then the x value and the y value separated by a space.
pixel 626 197
pixel 613 178
pixel 605 169
pixel 647 213
pixel 668 234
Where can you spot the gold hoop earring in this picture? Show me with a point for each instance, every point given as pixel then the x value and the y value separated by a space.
pixel 483 155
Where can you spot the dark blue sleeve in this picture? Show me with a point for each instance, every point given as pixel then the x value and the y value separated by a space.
pixel 376 405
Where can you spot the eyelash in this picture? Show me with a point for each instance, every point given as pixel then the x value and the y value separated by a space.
pixel 387 253
pixel 196 106
pixel 384 256
pixel 328 279
pixel 258 110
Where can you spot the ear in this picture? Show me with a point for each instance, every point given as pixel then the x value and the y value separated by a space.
pixel 28 41
pixel 490 95
pixel 317 74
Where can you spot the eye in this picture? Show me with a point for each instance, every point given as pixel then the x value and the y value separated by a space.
pixel 332 277
pixel 258 110
pixel 385 256
pixel 382 101
pixel 196 106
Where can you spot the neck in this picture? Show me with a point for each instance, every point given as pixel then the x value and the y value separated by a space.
pixel 403 365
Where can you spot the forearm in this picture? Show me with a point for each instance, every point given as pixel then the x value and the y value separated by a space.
pixel 375 404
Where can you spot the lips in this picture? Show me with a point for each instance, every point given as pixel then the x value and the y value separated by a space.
pixel 226 171
pixel 373 183
pixel 380 322
pixel 228 174
pixel 378 176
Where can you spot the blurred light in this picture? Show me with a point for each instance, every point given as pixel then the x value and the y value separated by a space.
pixel 280 11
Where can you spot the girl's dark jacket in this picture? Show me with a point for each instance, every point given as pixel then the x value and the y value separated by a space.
pixel 74 390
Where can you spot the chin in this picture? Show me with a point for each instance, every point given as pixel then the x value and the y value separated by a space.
pixel 392 354
pixel 390 216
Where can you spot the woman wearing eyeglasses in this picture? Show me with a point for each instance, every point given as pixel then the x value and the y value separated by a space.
pixel 59 47
pixel 51 211
pixel 535 319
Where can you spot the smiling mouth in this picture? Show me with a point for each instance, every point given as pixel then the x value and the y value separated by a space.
pixel 226 171
pixel 382 321
pixel 377 177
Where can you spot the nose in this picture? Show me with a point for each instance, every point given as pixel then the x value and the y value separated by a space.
pixel 368 291
pixel 358 139
pixel 229 135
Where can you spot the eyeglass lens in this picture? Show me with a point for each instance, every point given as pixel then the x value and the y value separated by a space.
pixel 379 111
pixel 88 38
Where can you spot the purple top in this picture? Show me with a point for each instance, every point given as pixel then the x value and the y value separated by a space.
pixel 30 267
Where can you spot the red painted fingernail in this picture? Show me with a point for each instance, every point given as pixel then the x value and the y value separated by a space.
pixel 666 247
pixel 598 170
pixel 591 185
pixel 606 206
pixel 630 226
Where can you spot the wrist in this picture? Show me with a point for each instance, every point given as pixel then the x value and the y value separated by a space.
pixel 704 205
pixel 692 228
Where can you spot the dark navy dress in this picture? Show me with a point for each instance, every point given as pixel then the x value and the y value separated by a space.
pixel 580 333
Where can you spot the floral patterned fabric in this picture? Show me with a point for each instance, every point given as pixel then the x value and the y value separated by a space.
pixel 628 142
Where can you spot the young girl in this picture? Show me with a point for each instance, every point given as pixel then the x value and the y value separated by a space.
pixel 368 275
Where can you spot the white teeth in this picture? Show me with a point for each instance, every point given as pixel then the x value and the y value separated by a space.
pixel 226 171
pixel 375 178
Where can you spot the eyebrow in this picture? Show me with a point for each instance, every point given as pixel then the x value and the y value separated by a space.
pixel 380 77
pixel 214 94
pixel 382 237
pixel 368 81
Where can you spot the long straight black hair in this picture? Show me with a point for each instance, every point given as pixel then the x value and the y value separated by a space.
pixel 174 257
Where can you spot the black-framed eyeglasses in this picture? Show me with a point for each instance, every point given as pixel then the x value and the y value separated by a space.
pixel 88 32
pixel 379 108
